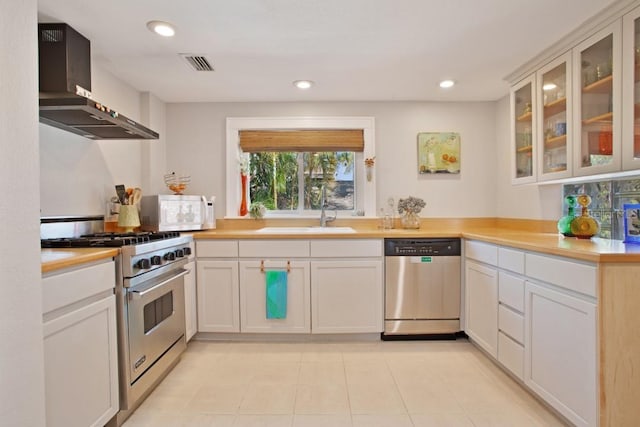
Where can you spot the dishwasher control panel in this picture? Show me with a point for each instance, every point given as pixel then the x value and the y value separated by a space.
pixel 422 246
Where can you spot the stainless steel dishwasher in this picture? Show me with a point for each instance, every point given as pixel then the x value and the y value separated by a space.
pixel 422 287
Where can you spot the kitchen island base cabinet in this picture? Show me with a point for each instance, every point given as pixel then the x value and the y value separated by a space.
pixel 218 296
pixel 347 296
pixel 560 352
pixel 253 297
pixel 481 287
pixel 80 346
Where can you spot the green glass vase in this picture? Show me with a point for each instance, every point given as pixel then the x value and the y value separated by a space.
pixel 564 223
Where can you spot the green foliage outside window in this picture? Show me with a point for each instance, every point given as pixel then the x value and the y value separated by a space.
pixel 275 180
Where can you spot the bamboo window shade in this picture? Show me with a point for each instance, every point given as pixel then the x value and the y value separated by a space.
pixel 252 141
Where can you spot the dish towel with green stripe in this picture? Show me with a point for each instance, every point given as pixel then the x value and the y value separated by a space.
pixel 276 283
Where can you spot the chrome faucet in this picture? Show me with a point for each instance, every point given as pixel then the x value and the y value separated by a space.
pixel 323 204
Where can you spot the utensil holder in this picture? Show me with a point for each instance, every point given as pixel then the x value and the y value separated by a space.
pixel 128 218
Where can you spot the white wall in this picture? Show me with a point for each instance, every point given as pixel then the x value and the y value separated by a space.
pixel 21 351
pixel 78 175
pixel 520 201
pixel 196 146
pixel 153 151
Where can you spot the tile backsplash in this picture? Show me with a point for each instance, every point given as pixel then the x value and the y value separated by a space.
pixel 607 199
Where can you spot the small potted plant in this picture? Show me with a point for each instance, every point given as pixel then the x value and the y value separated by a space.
pixel 257 210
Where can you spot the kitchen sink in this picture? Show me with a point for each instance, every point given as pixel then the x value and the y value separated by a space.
pixel 305 230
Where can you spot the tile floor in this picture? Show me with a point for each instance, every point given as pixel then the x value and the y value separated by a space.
pixel 360 384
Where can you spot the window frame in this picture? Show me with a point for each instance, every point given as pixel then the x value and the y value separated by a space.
pixel 366 202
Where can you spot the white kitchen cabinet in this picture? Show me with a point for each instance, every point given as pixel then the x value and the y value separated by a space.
pixel 481 300
pixel 190 301
pixel 80 346
pixel 217 286
pixel 325 294
pixel 511 290
pixel 536 314
pixel 218 290
pixel 597 89
pixel 481 251
pixel 631 90
pixel 510 312
pixel 273 248
pixel 554 127
pixel 523 131
pixel 574 275
pixel 560 351
pixel 347 296
pixel 253 297
pixel 511 354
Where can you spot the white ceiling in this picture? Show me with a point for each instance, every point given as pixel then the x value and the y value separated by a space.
pixel 355 50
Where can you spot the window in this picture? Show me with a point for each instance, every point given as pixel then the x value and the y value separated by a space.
pixel 289 159
pixel 292 181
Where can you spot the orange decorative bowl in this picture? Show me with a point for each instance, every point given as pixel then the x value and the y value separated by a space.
pixel 177 183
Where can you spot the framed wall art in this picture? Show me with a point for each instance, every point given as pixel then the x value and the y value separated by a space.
pixel 438 152
pixel 631 223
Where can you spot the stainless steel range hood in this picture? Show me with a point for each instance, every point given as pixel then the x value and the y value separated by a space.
pixel 65 84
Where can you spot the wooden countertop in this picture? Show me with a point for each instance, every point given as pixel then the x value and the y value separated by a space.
pixel 57 259
pixel 593 250
pixel 532 235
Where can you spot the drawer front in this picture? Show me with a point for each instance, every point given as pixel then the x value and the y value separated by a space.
pixel 511 259
pixel 59 290
pixel 511 291
pixel 483 252
pixel 568 274
pixel 217 249
pixel 511 355
pixel 346 248
pixel 511 323
pixel 274 248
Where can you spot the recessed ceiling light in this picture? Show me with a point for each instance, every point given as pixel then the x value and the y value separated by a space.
pixel 549 86
pixel 303 84
pixel 445 84
pixel 160 27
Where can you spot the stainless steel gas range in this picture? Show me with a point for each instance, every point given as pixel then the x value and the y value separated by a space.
pixel 149 299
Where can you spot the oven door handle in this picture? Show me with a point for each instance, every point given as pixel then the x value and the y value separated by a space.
pixel 139 294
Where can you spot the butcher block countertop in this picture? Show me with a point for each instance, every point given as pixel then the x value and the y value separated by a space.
pixel 57 259
pixel 533 235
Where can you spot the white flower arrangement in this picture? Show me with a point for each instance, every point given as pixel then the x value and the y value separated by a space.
pixel 243 160
pixel 410 204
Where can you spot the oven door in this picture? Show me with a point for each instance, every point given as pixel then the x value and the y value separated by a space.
pixel 155 317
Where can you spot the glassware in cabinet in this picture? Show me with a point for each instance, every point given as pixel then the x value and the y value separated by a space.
pixel 631 91
pixel 554 127
pixel 597 88
pixel 523 131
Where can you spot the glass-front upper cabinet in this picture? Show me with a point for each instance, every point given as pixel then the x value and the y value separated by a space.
pixel 554 124
pixel 631 91
pixel 523 131
pixel 596 88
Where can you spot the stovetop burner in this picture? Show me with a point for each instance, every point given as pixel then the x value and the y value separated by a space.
pixel 108 239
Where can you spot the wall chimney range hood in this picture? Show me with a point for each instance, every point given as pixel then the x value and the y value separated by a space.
pixel 65 85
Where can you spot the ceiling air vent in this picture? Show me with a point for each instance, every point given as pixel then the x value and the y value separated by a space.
pixel 197 62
